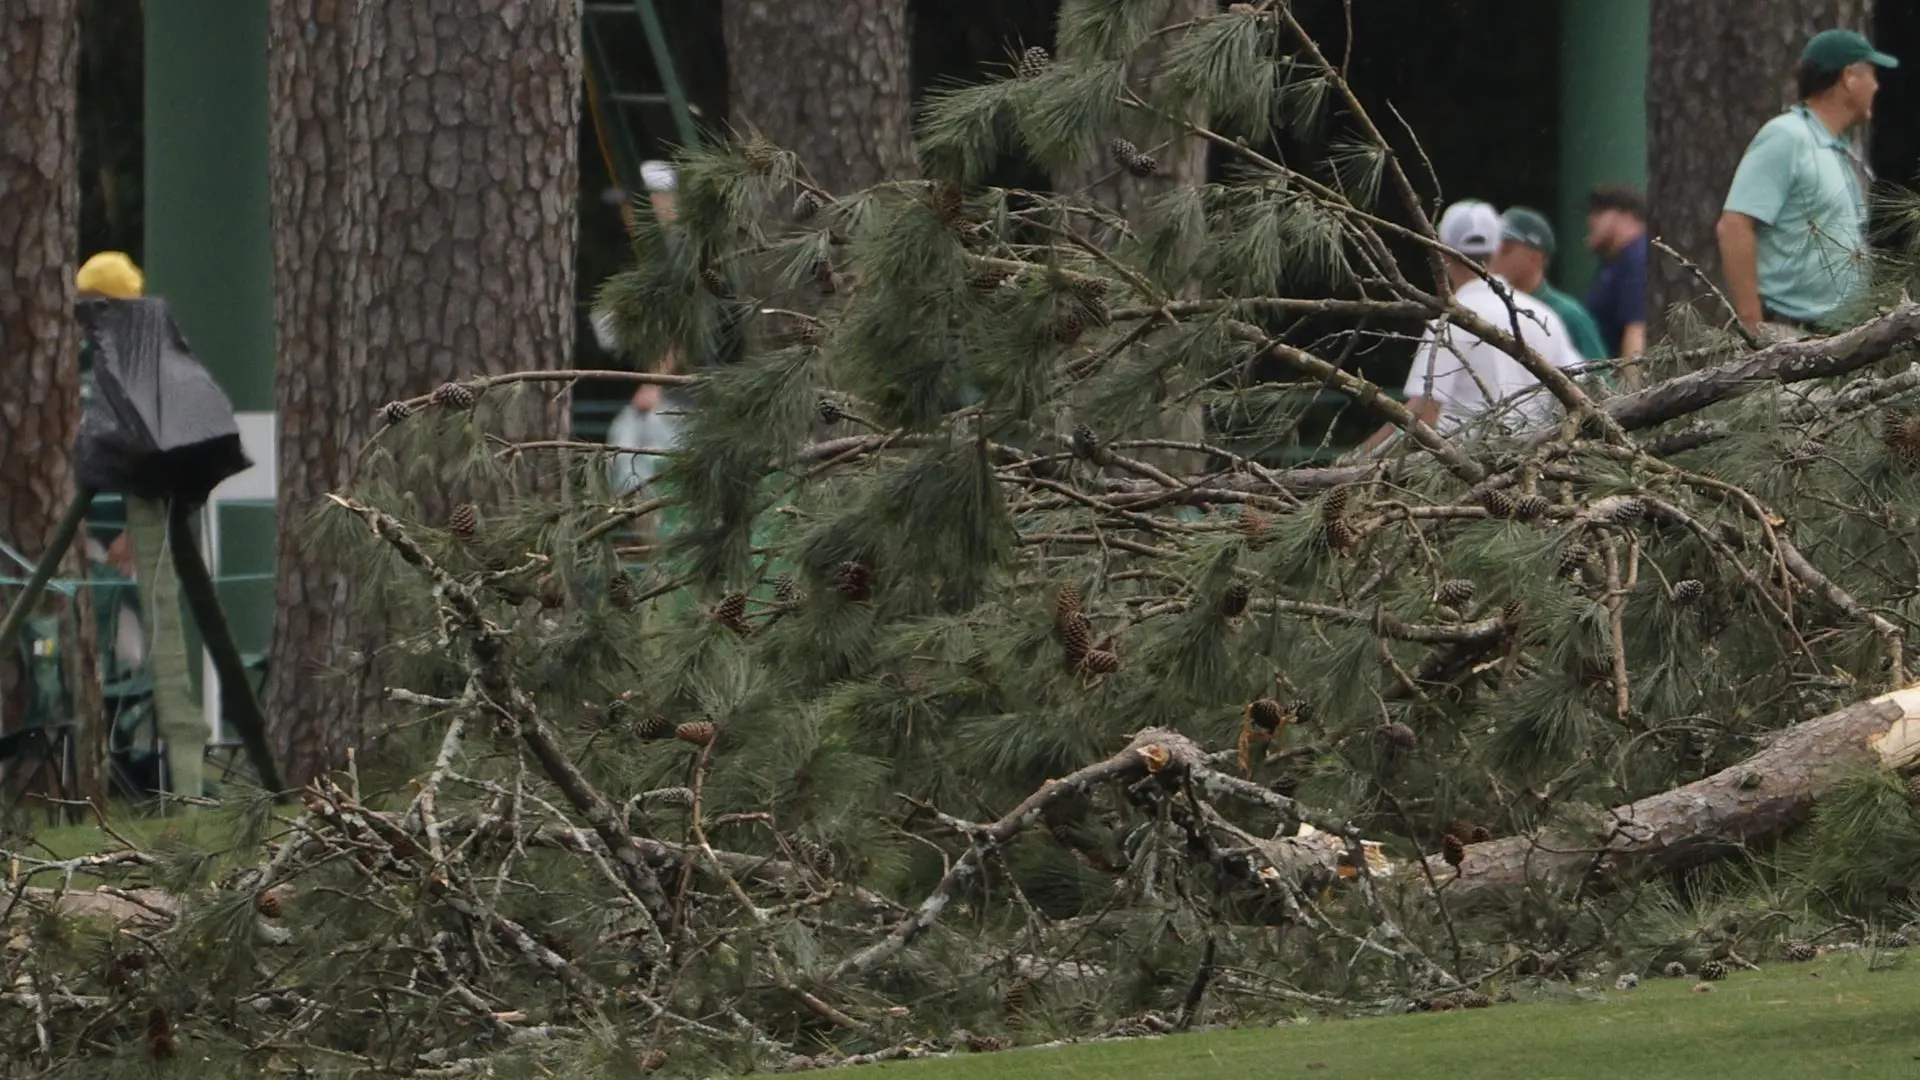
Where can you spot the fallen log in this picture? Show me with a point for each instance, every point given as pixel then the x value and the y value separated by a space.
pixel 1753 802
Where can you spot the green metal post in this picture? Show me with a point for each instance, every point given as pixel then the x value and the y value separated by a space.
pixel 209 248
pixel 1603 117
pixel 669 75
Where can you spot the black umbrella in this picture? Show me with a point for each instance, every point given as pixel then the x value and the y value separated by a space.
pixel 158 426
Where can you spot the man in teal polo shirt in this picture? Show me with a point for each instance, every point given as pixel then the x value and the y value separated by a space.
pixel 1526 246
pixel 1791 231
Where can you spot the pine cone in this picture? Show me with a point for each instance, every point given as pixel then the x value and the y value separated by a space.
pixel 1123 152
pixel 395 411
pixel 1531 507
pixel 731 612
pixel 453 396
pixel 1401 735
pixel 1901 433
pixel 714 283
pixel 669 796
pixel 697 732
pixel 1512 610
pixel 986 281
pixel 620 591
pixel 1456 592
pixel 1143 165
pixel 1266 714
pixel 1068 326
pixel 1898 940
pixel 1498 503
pixel 815 855
pixel 1334 506
pixel 1066 603
pixel 1033 62
pixel 1674 970
pixel 1713 971
pixel 1472 999
pixel 1100 662
pixel 854 580
pixel 1480 835
pixel 1340 536
pixel 1689 590
pixel 268 904
pixel 1454 850
pixel 1076 636
pixel 1253 521
pixel 1573 557
pixel 829 411
pixel 160 1044
pixel 464 522
pixel 1806 453
pixel 1628 512
pixel 786 590
pixel 1301 710
pixel 616 712
pixel 1086 444
pixel 1015 1000
pixel 1233 602
pixel 655 727
pixel 653 1060
pixel 1798 952
pixel 806 205
pixel 760 154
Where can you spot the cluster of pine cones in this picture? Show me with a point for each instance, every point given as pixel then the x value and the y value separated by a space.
pixel 1075 631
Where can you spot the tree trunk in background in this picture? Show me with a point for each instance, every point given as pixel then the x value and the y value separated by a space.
pixel 826 79
pixel 1717 70
pixel 1182 162
pixel 39 337
pixel 424 176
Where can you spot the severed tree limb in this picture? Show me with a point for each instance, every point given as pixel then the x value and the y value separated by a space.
pixel 487 648
pixel 1753 802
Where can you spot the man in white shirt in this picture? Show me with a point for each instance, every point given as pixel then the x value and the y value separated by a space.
pixel 1458 377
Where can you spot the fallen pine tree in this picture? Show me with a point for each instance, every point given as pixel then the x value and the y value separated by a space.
pixel 963 664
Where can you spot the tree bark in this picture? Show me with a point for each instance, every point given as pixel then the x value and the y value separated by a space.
pixel 424 174
pixel 1717 70
pixel 39 337
pixel 1182 162
pixel 1753 802
pixel 826 79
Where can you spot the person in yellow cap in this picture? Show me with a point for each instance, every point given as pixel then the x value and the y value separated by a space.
pixel 111 275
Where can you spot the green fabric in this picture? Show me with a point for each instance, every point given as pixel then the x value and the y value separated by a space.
pixel 1799 181
pixel 1831 50
pixel 1586 332
pixel 1524 225
pixel 180 721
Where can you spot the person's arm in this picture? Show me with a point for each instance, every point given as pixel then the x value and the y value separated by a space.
pixel 1424 409
pixel 1755 198
pixel 1739 261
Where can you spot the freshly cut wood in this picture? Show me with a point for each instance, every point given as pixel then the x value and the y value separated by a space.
pixel 1753 802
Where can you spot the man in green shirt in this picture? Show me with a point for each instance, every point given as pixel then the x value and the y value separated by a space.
pixel 1791 230
pixel 1526 246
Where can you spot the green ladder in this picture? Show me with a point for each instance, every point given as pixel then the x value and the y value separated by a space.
pixel 614 109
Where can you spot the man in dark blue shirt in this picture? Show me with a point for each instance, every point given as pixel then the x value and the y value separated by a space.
pixel 1617 299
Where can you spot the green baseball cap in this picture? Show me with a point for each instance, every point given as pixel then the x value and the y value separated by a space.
pixel 1831 50
pixel 1527 226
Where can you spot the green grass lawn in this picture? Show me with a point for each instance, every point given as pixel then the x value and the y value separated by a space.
pixel 1825 1019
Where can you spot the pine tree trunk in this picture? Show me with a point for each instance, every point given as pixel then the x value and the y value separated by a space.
pixel 1750 804
pixel 39 337
pixel 826 79
pixel 1182 162
pixel 1718 69
pixel 424 176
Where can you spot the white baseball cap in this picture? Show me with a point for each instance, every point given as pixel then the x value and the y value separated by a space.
pixel 657 175
pixel 1471 227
